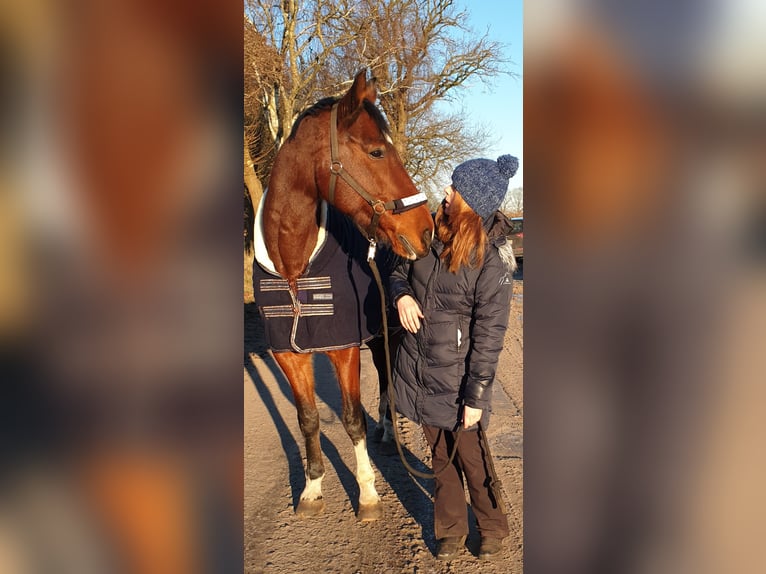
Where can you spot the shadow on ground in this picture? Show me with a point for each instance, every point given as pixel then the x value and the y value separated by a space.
pixel 413 493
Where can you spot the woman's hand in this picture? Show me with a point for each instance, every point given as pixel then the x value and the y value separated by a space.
pixel 409 313
pixel 470 416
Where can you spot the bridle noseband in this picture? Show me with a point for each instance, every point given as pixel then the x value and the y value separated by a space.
pixel 378 207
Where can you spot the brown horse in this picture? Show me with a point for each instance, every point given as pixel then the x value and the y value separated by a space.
pixel 339 153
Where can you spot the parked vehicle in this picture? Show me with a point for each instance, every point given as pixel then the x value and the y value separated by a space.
pixel 517 237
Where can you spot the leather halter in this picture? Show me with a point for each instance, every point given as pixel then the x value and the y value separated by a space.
pixel 378 207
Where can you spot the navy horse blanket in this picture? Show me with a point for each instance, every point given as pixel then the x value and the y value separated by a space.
pixel 338 295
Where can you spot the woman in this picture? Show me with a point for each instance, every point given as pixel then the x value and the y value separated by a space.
pixel 454 306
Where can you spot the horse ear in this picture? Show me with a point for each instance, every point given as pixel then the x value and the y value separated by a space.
pixel 360 90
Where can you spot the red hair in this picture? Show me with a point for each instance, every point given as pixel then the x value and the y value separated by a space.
pixel 462 233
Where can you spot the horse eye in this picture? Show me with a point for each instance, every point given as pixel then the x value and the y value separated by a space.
pixel 377 153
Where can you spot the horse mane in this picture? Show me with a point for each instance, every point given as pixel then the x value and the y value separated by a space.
pixel 327 103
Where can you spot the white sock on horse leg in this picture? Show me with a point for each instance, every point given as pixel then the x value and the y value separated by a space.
pixel 365 476
pixel 313 490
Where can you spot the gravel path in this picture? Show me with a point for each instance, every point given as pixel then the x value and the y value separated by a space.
pixel 403 541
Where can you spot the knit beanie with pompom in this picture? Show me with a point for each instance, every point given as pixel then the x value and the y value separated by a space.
pixel 483 183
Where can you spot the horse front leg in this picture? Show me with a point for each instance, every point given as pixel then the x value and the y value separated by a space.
pixel 299 370
pixel 346 363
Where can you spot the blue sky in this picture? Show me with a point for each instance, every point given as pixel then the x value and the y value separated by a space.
pixel 499 105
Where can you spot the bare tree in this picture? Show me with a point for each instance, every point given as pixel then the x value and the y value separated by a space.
pixel 513 204
pixel 304 35
pixel 263 68
pixel 421 51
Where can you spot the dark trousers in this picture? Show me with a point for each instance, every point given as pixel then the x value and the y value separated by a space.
pixel 469 464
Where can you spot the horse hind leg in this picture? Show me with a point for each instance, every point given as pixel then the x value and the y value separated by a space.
pixel 299 371
pixel 384 430
pixel 346 363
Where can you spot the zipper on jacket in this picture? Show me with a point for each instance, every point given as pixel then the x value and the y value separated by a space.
pixel 426 301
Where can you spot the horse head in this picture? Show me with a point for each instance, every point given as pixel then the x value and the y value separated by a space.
pixel 366 178
pixel 340 151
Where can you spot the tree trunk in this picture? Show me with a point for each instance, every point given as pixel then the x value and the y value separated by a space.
pixel 252 196
pixel 252 183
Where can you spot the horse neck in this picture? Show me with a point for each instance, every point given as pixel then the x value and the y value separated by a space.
pixel 290 231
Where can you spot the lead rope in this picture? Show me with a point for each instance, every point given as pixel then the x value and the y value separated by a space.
pixel 495 485
pixel 391 393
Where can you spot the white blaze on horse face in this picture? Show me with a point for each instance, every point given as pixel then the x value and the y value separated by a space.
pixel 313 490
pixel 365 476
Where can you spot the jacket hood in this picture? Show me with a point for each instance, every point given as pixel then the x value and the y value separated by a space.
pixel 498 229
pixel 497 225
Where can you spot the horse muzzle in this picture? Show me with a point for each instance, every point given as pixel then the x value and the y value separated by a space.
pixel 414 253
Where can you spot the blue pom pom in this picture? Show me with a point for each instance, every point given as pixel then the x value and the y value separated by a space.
pixel 508 164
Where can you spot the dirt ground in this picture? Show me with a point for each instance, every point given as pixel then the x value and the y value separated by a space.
pixel 335 542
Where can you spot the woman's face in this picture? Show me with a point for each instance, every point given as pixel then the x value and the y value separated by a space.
pixel 449 193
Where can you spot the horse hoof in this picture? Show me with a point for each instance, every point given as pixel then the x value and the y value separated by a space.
pixel 369 512
pixel 309 508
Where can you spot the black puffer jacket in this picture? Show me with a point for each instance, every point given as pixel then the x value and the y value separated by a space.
pixel 452 358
